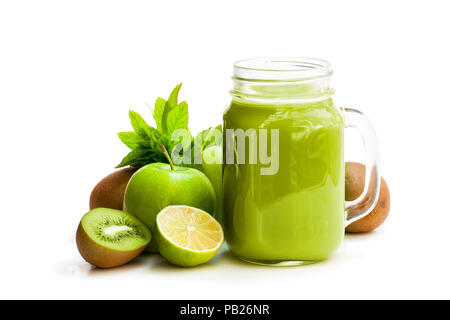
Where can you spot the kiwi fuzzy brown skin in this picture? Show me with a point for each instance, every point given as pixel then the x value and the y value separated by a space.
pixel 110 191
pixel 102 257
pixel 354 186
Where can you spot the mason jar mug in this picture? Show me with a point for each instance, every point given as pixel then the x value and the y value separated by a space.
pixel 283 170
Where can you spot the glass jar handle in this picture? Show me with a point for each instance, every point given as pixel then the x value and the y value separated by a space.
pixel 364 204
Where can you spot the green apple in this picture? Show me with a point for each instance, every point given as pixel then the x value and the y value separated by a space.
pixel 212 167
pixel 158 185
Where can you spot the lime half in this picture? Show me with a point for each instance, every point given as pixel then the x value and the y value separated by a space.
pixel 187 236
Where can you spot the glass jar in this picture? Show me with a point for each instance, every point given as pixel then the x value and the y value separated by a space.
pixel 284 171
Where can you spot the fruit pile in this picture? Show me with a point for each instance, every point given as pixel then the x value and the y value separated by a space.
pixel 152 204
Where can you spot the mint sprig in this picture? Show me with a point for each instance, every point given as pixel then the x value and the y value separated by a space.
pixel 145 140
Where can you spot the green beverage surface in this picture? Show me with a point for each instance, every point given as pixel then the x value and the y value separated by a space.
pixel 296 214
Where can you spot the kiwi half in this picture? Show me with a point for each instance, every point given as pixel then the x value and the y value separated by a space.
pixel 109 238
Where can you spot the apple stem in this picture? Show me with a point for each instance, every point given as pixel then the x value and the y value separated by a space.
pixel 166 154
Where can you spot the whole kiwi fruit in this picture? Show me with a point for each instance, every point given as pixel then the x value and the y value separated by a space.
pixel 354 186
pixel 109 238
pixel 109 192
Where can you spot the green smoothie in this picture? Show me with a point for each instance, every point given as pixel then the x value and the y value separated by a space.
pixel 296 214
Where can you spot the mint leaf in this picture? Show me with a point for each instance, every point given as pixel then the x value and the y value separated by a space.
pixel 209 137
pixel 171 104
pixel 147 157
pixel 141 157
pixel 156 139
pixel 158 112
pixel 177 118
pixel 173 98
pixel 200 136
pixel 131 139
pixel 131 157
pixel 139 125
pixel 183 143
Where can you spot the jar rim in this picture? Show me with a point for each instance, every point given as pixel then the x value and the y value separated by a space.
pixel 281 69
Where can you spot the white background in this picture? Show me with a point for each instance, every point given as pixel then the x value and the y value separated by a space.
pixel 70 71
